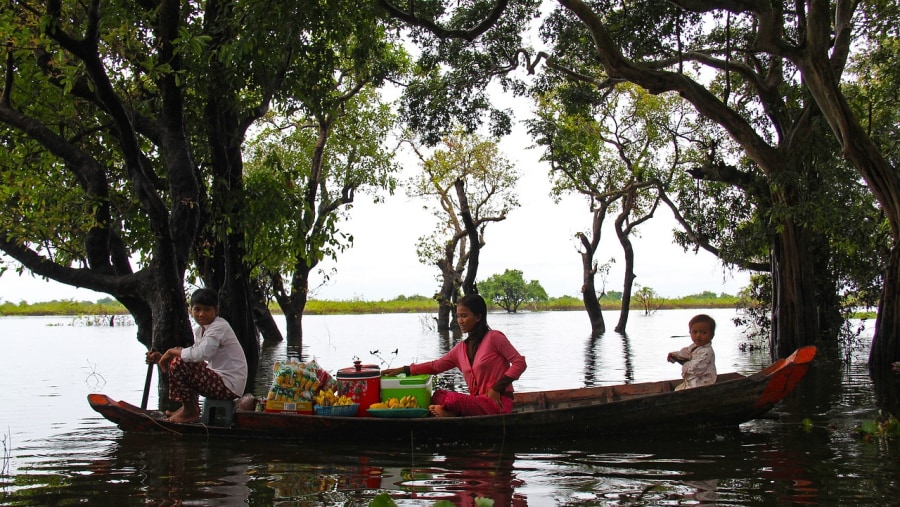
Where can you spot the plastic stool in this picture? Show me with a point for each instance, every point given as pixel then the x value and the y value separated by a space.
pixel 217 412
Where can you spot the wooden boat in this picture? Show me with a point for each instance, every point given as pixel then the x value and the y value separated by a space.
pixel 568 413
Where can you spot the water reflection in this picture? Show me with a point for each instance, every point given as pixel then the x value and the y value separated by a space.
pixel 590 360
pixel 594 365
pixel 177 472
pixel 627 358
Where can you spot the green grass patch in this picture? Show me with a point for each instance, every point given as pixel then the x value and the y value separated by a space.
pixel 400 304
pixel 106 306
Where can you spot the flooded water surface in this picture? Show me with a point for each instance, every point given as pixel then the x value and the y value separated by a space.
pixel 57 451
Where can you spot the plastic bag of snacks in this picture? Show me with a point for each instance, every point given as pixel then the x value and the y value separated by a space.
pixel 294 381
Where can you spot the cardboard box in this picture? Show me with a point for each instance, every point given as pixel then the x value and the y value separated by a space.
pixel 419 386
pixel 289 407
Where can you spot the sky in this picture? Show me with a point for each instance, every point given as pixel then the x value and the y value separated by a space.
pixel 537 239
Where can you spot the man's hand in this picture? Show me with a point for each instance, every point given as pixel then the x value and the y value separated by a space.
pixel 153 357
pixel 168 357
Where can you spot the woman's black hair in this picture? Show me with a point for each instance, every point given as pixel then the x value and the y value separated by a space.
pixel 205 297
pixel 476 304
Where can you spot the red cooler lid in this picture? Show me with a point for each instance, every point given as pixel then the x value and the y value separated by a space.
pixel 359 370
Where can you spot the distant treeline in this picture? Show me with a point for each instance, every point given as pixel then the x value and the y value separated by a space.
pixel 400 304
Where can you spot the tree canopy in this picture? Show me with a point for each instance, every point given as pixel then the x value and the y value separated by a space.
pixel 510 290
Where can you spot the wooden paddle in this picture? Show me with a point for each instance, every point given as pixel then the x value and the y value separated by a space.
pixel 147 385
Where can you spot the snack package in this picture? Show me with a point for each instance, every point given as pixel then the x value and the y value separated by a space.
pixel 294 381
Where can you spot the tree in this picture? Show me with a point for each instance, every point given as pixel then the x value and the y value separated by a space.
pixel 610 147
pixel 304 175
pixel 97 167
pixel 466 186
pixel 262 56
pixel 648 299
pixel 509 290
pixel 124 124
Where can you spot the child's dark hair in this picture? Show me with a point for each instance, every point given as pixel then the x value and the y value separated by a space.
pixel 476 304
pixel 205 297
pixel 703 318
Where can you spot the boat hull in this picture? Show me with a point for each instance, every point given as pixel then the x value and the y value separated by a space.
pixel 568 413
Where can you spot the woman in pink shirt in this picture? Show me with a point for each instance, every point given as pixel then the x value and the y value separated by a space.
pixel 488 362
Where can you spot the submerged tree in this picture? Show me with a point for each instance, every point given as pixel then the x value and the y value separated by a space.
pixel 466 185
pixel 614 147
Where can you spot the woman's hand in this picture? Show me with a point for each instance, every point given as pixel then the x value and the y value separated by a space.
pixel 153 357
pixel 496 396
pixel 392 372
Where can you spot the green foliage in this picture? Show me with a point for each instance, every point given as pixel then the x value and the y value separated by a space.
pixel 123 130
pixel 444 96
pixel 490 180
pixel 382 500
pixel 754 308
pixel 885 426
pixel 300 189
pixel 509 290
pixel 611 295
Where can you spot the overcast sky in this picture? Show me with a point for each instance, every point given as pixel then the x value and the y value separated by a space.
pixel 537 238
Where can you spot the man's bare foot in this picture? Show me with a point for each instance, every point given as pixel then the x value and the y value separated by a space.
pixel 440 411
pixel 186 414
pixel 170 413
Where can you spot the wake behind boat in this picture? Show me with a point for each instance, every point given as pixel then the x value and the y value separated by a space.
pixel 566 413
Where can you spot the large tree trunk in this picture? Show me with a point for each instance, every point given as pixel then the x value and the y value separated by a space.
pixel 293 304
pixel 589 269
pixel 262 316
pixel 447 296
pixel 225 128
pixel 884 181
pixel 794 321
pixel 237 308
pixel 265 323
pixel 230 277
pixel 170 327
pixel 468 284
pixel 820 61
pixel 293 322
pixel 589 296
pixel 886 342
pixel 628 283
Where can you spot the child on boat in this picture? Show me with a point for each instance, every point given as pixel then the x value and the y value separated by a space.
pixel 215 366
pixel 698 361
pixel 488 362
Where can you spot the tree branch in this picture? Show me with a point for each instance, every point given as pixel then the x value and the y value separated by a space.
pixel 414 19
